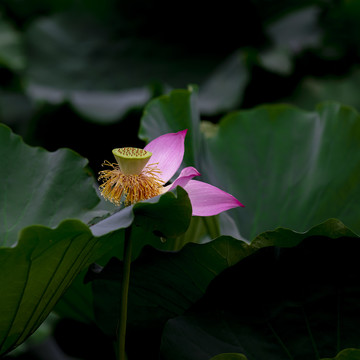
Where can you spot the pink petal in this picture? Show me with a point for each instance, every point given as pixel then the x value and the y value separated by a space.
pixel 168 152
pixel 185 176
pixel 208 200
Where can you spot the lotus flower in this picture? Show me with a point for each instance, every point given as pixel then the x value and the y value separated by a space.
pixel 135 178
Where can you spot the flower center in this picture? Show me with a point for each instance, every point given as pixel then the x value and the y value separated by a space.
pixel 131 160
pixel 131 180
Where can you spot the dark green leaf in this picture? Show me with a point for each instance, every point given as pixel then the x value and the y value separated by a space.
pixel 347 354
pixel 162 284
pixel 279 303
pixel 77 302
pixel 171 113
pixel 229 356
pixel 37 271
pixel 40 187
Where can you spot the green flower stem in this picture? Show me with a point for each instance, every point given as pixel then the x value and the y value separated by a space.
pixel 121 333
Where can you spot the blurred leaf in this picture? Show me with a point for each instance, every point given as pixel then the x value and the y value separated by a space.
pixel 341 25
pixel 347 354
pixel 313 90
pixel 290 34
pixel 16 110
pixel 297 30
pixel 289 168
pixel 297 302
pixel 23 12
pixel 224 89
pixel 99 69
pixel 270 10
pixel 277 60
pixel 11 47
pixel 229 356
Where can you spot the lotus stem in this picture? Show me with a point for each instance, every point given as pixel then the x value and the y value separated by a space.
pixel 121 331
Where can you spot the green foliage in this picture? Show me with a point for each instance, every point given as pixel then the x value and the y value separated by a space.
pixel 163 285
pixel 46 198
pixel 278 303
pixel 38 187
pixel 279 275
pixel 284 164
pixel 284 173
pixel 11 47
pixel 304 160
pixel 312 90
pixel 229 356
pixel 347 354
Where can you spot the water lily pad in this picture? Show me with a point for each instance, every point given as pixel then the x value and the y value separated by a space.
pixel 297 302
pixel 46 198
pixel 284 164
pixel 40 187
pixel 162 285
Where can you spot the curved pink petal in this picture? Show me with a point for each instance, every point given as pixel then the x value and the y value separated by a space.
pixel 185 176
pixel 167 152
pixel 208 200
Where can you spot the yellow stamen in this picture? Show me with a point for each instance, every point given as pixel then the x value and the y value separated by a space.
pixel 130 187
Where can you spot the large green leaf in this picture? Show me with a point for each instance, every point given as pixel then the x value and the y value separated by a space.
pixel 45 199
pixel 162 285
pixel 171 113
pixel 77 302
pixel 298 302
pixel 284 164
pixel 91 65
pixel 158 222
pixel 39 187
pixel 36 272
